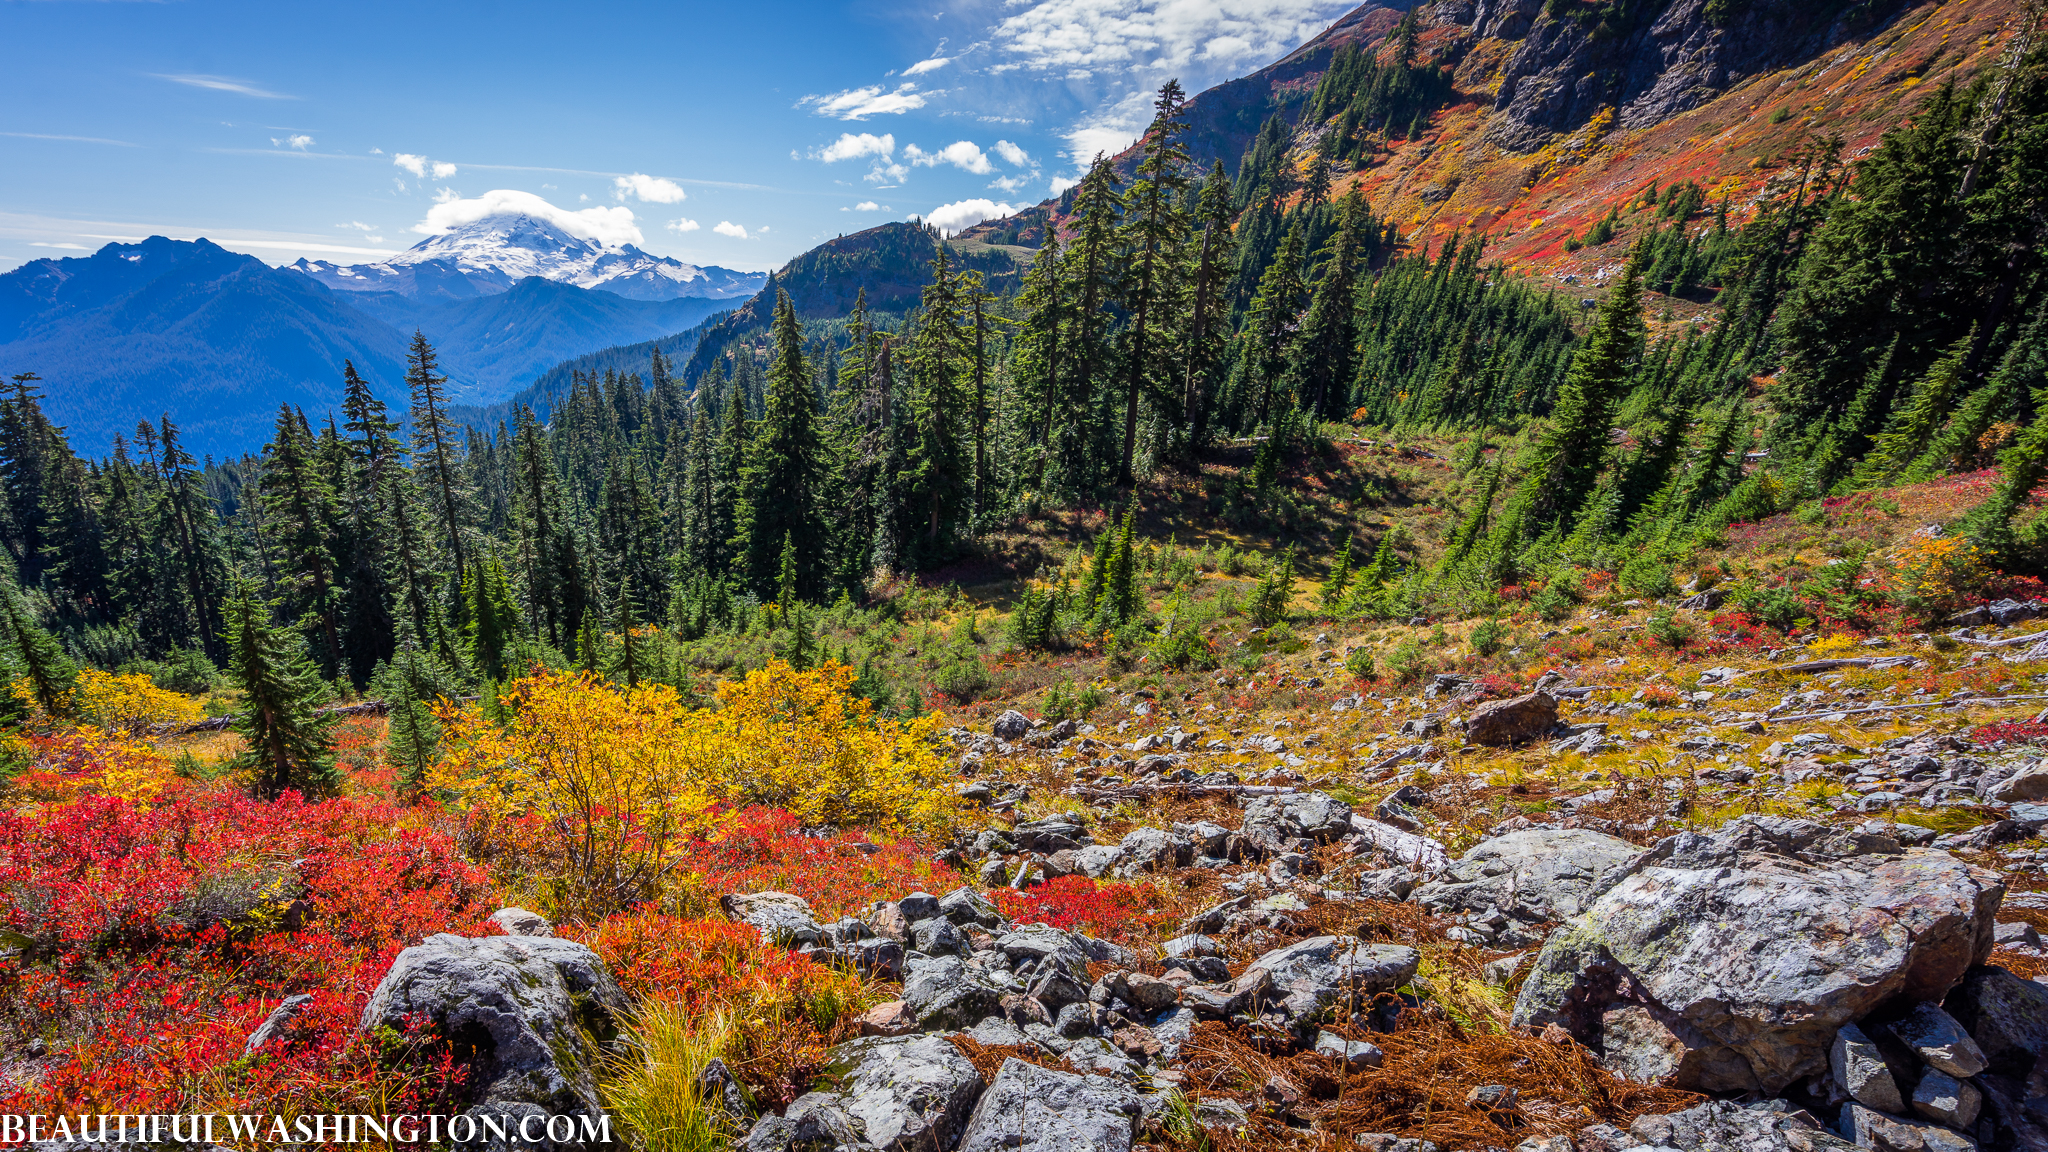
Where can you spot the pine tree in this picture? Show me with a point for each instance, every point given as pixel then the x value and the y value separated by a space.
pixel 1152 237
pixel 1913 427
pixel 1327 350
pixel 785 467
pixel 1339 577
pixel 289 742
pixel 1269 328
pixel 1208 306
pixel 1275 591
pixel 434 444
pixel 1119 604
pixel 493 618
pixel 1568 455
pixel 302 514
pixel 937 471
pixel 38 658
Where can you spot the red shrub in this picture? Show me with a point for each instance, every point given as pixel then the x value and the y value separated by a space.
pixel 1109 910
pixel 2010 732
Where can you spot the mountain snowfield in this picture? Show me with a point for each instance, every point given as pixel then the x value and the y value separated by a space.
pixel 488 256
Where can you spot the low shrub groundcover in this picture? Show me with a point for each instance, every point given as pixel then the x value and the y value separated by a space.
pixel 149 922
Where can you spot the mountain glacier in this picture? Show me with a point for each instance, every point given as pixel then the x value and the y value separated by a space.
pixel 489 256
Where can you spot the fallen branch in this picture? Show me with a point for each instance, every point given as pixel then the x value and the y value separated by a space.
pixel 1953 702
pixel 1132 791
pixel 1830 665
pixel 2002 642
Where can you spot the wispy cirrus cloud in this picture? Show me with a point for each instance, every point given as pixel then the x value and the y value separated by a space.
pixel 74 139
pixel 222 84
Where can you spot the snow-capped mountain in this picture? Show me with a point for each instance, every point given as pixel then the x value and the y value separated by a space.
pixel 492 254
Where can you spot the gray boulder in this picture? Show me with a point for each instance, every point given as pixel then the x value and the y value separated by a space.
pixel 1859 1070
pixel 1144 849
pixel 1730 960
pixel 1310 977
pixel 905 1092
pixel 275 1024
pixel 1721 1126
pixel 1534 876
pixel 814 1122
pixel 946 993
pixel 2006 1016
pixel 1872 1129
pixel 781 917
pixel 520 922
pixel 1276 824
pixel 1937 1038
pixel 965 906
pixel 539 1011
pixel 1353 1054
pixel 1011 725
pixel 1035 1109
pixel 1034 947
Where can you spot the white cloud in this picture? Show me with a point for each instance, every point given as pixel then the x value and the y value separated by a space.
pixel 301 141
pixel 681 224
pixel 962 154
pixel 861 103
pixel 963 213
pixel 728 228
pixel 358 225
pixel 417 165
pixel 852 147
pixel 924 66
pixel 866 206
pixel 1012 154
pixel 67 247
pixel 1008 183
pixel 222 84
pixel 1066 36
pixel 763 228
pixel 608 226
pixel 376 151
pixel 1061 184
pixel 443 170
pixel 886 175
pixel 649 189
pixel 399 183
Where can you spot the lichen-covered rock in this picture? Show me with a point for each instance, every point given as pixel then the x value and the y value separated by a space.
pixel 1749 947
pixel 1312 976
pixel 1011 725
pixel 905 1093
pixel 520 922
pixel 1937 1038
pixel 947 993
pixel 537 1012
pixel 1033 1109
pixel 1859 1070
pixel 1533 876
pixel 1032 947
pixel 781 917
pixel 2006 1016
pixel 1276 824
pixel 1872 1129
pixel 1721 1126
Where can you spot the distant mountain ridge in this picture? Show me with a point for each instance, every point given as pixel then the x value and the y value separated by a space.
pixel 217 339
pixel 490 255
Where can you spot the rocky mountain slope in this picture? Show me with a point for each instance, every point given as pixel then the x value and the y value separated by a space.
pixel 491 255
pixel 1561 111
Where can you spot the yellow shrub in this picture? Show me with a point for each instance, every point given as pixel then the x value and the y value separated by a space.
pixel 1833 645
pixel 131 705
pixel 1937 573
pixel 611 780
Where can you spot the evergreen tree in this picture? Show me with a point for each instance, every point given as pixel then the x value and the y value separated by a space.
pixel 1339 577
pixel 434 444
pixel 785 467
pixel 1152 237
pixel 38 658
pixel 1275 591
pixel 937 468
pixel 493 618
pixel 289 742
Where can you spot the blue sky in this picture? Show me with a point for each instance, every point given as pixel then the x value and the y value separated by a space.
pixel 719 133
